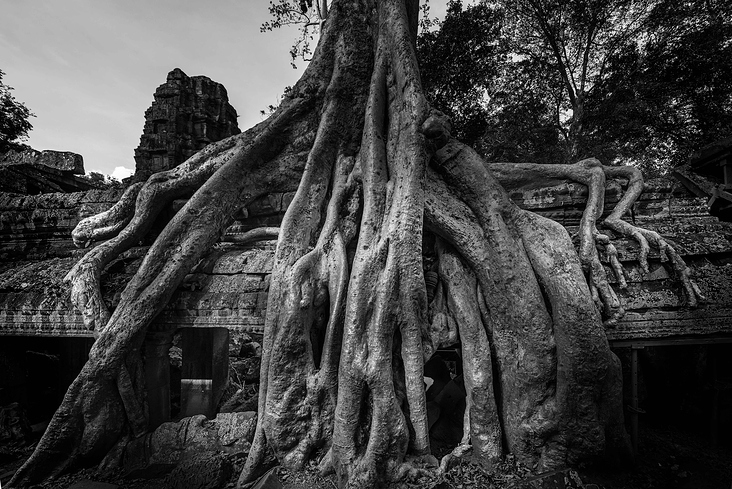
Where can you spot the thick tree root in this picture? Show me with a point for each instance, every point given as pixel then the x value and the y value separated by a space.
pixel 306 302
pixel 451 459
pixel 347 331
pixel 254 235
pixel 592 174
pixel 380 381
pixel 482 428
pixel 583 399
pixel 574 389
pixel 644 236
pixel 127 223
pixel 108 223
pixel 490 246
pixel 379 370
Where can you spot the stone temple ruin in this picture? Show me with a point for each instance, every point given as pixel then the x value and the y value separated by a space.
pixel 187 114
pixel 209 332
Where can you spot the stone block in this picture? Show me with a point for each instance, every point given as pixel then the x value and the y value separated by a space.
pixel 252 349
pixel 250 261
pixel 14 426
pixel 265 205
pixel 60 160
pixel 247 369
pixel 171 443
pixel 286 200
pixel 237 339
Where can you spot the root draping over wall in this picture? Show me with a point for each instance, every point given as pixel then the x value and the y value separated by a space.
pixel 349 325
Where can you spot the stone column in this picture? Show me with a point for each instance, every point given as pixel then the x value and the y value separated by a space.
pixel 157 376
pixel 205 370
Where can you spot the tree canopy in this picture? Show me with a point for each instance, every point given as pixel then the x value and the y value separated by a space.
pixel 14 123
pixel 669 95
pixel 642 81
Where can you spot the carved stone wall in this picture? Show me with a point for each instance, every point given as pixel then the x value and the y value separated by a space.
pixel 187 114
pixel 655 304
pixel 38 227
pixel 229 287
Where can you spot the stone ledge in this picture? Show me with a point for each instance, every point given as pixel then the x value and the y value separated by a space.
pixel 57 323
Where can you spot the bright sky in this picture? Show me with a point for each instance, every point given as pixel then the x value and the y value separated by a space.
pixel 88 68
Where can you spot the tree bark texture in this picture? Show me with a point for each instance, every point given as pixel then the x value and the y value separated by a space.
pixel 350 321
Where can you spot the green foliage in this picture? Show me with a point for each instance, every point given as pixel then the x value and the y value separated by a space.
pixel 14 124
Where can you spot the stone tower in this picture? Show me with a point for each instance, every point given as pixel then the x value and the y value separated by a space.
pixel 187 113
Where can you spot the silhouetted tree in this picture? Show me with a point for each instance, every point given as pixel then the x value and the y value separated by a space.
pixel 14 119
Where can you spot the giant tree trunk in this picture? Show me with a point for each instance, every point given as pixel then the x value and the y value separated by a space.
pixel 348 324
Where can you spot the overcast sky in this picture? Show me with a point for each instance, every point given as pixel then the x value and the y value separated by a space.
pixel 88 68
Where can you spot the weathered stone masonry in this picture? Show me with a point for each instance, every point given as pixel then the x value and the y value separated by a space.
pixel 229 287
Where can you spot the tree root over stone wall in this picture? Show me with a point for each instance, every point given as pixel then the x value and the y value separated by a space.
pixel 346 335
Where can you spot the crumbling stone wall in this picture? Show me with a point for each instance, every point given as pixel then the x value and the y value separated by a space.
pixel 36 172
pixel 38 227
pixel 229 287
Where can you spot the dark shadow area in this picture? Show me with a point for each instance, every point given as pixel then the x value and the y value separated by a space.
pixel 446 400
pixel 684 420
pixel 684 388
pixel 36 371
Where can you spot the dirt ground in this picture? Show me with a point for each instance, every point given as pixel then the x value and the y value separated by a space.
pixel 669 458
